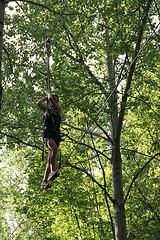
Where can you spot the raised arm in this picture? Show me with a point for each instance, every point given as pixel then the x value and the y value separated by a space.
pixel 40 105
pixel 55 103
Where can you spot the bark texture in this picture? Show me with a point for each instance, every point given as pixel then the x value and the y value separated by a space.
pixel 2 9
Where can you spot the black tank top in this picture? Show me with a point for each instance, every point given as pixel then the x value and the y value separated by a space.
pixel 52 119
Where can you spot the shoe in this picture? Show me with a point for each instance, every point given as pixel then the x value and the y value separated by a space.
pixel 45 185
pixel 53 175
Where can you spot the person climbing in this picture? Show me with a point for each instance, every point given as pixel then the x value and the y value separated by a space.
pixel 51 134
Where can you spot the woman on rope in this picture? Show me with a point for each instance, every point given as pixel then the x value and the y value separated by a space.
pixel 51 134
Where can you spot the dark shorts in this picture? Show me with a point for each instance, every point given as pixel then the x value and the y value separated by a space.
pixel 46 135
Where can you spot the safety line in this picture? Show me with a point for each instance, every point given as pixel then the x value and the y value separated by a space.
pixel 91 123
pixel 57 20
pixel 27 214
pixel 135 58
pixel 47 49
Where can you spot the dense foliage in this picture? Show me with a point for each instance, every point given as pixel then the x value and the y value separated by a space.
pixel 79 205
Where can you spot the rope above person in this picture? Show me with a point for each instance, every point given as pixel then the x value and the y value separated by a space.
pixel 47 51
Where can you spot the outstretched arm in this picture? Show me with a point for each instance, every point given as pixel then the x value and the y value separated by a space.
pixel 40 104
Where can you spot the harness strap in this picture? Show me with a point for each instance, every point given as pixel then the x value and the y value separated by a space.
pixel 52 130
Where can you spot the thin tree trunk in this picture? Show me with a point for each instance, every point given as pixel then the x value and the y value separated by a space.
pixel 2 9
pixel 116 126
pixel 119 212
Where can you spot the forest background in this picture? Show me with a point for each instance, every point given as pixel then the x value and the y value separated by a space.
pixel 105 67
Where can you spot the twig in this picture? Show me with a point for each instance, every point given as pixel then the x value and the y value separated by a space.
pixel 136 176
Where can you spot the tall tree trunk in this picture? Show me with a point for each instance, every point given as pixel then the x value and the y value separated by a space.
pixel 116 126
pixel 2 8
pixel 119 212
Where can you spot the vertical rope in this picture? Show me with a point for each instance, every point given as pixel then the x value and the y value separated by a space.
pixel 47 51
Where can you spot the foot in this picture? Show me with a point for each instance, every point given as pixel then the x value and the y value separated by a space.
pixel 53 175
pixel 45 185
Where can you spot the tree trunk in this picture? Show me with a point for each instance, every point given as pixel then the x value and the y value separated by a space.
pixel 119 212
pixel 116 126
pixel 2 8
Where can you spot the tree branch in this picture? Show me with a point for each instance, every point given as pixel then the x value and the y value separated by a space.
pixel 89 132
pixel 21 141
pixel 40 5
pixel 147 203
pixel 2 12
pixel 130 75
pixel 108 137
pixel 80 59
pixel 147 104
pixel 9 59
pixel 35 3
pixel 93 179
pixel 157 7
pixel 135 151
pixel 105 192
pixel 136 176
pixel 123 66
pixel 83 144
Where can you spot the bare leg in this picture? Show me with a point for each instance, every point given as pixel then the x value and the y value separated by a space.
pixel 51 158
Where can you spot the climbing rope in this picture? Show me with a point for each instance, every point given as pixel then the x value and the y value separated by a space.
pixel 58 20
pixel 27 214
pixel 47 51
pixel 47 48
pixel 60 169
